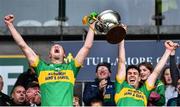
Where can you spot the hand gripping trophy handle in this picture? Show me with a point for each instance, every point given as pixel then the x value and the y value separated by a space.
pixel 87 20
pixel 108 23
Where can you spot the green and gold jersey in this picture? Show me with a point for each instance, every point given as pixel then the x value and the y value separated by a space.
pixel 56 82
pixel 126 95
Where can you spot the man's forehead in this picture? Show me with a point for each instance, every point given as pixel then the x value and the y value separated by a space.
pixel 33 88
pixel 103 66
pixel 56 44
pixel 133 70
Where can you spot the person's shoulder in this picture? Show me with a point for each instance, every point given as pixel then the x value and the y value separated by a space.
pixel 4 96
pixel 159 83
pixel 91 84
pixel 171 100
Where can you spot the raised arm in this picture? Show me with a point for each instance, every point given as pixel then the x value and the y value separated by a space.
pixel 29 53
pixel 174 69
pixel 83 52
pixel 170 46
pixel 121 73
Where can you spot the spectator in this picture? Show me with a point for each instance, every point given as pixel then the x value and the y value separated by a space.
pixel 4 99
pixel 157 96
pixel 33 94
pixel 170 90
pixel 26 77
pixel 128 92
pixel 96 103
pixel 176 100
pixel 56 79
pixel 102 88
pixel 18 96
pixel 76 101
pixel 175 74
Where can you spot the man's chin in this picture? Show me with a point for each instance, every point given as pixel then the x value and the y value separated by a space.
pixel 143 79
pixel 57 58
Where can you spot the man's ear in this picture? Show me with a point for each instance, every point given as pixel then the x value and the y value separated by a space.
pixel 12 95
pixel 109 74
pixel 96 74
pixel 49 55
pixel 64 55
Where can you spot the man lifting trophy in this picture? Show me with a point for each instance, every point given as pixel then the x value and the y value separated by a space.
pixel 108 23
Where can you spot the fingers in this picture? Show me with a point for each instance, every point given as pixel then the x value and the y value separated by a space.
pixel 8 17
pixel 171 45
pixel 8 20
pixel 103 83
pixel 176 45
pixel 124 26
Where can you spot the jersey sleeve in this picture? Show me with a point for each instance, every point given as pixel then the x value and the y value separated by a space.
pixel 146 89
pixel 75 66
pixel 38 64
pixel 119 84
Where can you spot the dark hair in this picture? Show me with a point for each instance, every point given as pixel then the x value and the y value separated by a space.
pixel 148 65
pixel 108 65
pixel 162 76
pixel 13 89
pixel 132 67
pixel 32 85
pixel 96 100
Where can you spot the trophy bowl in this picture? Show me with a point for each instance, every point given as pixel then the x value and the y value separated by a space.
pixel 108 23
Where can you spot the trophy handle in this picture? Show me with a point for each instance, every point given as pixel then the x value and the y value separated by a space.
pixel 88 20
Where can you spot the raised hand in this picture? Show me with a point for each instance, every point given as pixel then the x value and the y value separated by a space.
pixel 9 19
pixel 102 84
pixel 170 45
pixel 124 26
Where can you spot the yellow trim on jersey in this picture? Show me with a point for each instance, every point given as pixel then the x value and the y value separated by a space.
pixel 50 76
pixel 120 80
pixel 35 64
pixel 77 64
pixel 128 93
pixel 148 86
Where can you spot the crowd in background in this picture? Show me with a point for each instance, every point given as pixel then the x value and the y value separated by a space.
pixel 26 91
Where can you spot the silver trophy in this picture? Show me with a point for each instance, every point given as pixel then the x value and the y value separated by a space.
pixel 108 23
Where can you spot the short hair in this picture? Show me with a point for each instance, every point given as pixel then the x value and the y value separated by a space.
pixel 132 67
pixel 106 64
pixel 32 85
pixel 148 65
pixel 13 90
pixel 96 101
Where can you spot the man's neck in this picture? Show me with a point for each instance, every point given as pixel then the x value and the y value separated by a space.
pixel 56 61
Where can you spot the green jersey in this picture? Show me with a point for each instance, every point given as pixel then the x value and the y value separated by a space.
pixel 160 89
pixel 56 82
pixel 126 95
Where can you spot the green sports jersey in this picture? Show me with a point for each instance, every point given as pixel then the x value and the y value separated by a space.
pixel 56 82
pixel 160 89
pixel 126 95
